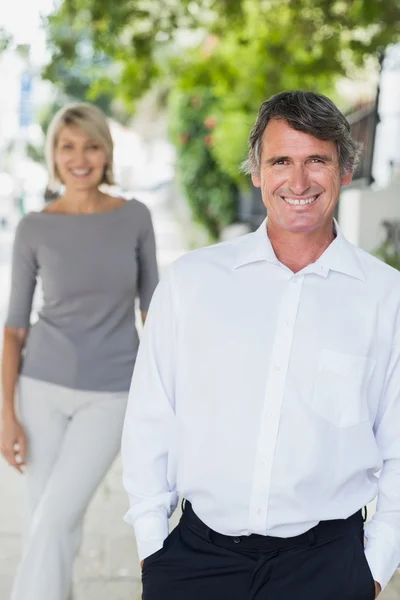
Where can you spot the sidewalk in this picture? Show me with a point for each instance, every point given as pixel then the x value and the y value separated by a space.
pixel 107 567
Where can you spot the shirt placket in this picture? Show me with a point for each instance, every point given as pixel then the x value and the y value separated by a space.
pixel 274 394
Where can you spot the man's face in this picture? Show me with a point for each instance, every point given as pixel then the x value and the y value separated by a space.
pixel 299 178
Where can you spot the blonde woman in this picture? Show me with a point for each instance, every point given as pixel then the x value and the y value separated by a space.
pixel 94 254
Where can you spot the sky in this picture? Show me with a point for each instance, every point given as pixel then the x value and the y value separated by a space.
pixel 21 18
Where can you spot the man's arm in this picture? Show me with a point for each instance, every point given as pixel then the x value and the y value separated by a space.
pixel 149 425
pixel 383 532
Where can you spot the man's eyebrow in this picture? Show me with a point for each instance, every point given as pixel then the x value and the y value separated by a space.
pixel 274 159
pixel 324 157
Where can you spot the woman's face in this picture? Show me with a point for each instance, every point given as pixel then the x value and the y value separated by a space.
pixel 80 160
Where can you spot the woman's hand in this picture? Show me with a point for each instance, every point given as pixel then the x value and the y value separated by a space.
pixel 13 442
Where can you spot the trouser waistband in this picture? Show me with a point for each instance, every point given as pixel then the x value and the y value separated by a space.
pixel 325 530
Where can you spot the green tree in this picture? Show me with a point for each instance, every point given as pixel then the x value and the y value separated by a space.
pixel 210 191
pixel 5 39
pixel 137 35
pixel 233 53
pixel 263 43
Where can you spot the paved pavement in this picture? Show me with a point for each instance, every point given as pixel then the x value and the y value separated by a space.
pixel 107 567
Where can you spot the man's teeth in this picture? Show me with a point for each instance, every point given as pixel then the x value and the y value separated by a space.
pixel 294 201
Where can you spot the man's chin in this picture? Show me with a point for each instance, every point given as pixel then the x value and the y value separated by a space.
pixel 300 227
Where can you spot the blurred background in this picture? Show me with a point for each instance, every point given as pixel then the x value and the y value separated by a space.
pixel 181 82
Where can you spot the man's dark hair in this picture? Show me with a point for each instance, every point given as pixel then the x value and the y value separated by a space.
pixel 311 113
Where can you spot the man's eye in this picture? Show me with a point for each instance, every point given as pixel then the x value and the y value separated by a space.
pixel 316 160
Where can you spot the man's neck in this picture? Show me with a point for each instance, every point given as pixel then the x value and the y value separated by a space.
pixel 297 250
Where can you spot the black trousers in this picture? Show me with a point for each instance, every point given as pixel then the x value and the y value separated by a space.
pixel 196 563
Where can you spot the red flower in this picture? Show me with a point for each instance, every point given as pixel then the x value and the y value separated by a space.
pixel 209 45
pixel 184 138
pixel 196 101
pixel 210 122
pixel 209 140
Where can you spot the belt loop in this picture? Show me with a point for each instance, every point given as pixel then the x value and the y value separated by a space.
pixel 311 537
pixel 209 535
pixel 365 514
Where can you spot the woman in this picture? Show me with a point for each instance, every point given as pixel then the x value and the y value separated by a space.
pixel 94 253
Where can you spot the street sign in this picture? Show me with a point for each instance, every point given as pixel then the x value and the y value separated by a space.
pixel 25 103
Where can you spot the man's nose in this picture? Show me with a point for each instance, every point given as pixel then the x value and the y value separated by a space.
pixel 299 181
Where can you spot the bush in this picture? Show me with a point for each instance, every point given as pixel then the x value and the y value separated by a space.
pixel 211 193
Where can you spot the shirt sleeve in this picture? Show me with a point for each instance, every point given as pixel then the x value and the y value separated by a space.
pixel 148 271
pixel 149 426
pixel 23 278
pixel 383 532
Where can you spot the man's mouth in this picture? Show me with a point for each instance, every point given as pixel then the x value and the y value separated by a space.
pixel 300 201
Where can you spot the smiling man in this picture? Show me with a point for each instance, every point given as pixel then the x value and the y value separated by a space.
pixel 266 392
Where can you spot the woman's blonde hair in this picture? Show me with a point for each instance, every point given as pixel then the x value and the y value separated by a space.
pixel 93 122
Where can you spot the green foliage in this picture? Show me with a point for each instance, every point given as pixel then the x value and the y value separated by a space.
pixel 388 255
pixel 35 153
pixel 389 251
pixel 262 44
pixel 77 69
pixel 134 34
pixel 231 133
pixel 234 53
pixel 5 39
pixel 212 195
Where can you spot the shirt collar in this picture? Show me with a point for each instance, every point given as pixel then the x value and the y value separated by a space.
pixel 340 256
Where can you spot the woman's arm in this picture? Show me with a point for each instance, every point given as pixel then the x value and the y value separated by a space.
pixel 12 438
pixel 148 270
pixel 23 282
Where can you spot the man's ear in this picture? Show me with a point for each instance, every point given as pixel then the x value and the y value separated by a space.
pixel 256 180
pixel 347 178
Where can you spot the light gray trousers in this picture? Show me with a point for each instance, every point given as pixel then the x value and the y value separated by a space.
pixel 73 438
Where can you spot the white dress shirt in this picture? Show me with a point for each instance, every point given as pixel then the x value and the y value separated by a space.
pixel 270 400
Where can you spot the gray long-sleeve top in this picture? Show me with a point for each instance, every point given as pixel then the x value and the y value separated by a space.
pixel 92 267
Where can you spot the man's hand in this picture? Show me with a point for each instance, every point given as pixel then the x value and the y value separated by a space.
pixel 378 589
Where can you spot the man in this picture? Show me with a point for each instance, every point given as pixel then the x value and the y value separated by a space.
pixel 267 392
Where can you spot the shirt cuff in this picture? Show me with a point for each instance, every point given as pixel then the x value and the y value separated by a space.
pixel 382 555
pixel 150 531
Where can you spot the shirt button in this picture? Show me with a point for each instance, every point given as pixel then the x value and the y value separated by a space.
pixel 258 511
pixel 236 540
pixel 270 414
pixel 278 367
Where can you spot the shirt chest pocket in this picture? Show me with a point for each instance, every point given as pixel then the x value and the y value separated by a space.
pixel 340 390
